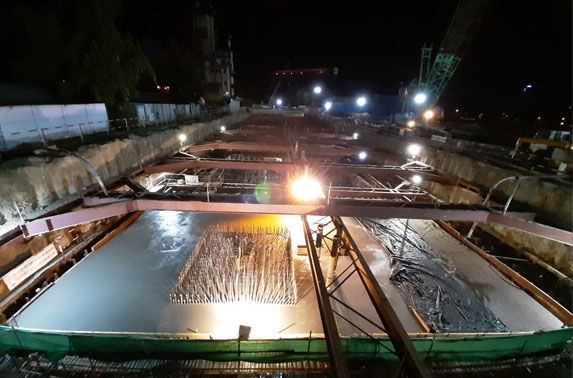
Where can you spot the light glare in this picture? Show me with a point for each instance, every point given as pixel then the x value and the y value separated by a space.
pixel 362 155
pixel 420 98
pixel 279 102
pixel 414 149
pixel 411 123
pixel 429 114
pixel 306 189
pixel 416 179
pixel 182 137
pixel 317 89
pixel 223 129
pixel 355 136
pixel 361 101
pixel 327 105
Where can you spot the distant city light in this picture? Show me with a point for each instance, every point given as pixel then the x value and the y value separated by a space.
pixel 563 118
pixel 416 180
pixel 420 98
pixel 317 89
pixel 158 87
pixel 539 118
pixel 182 138
pixel 414 149
pixel 327 105
pixel 362 155
pixel 528 86
pixel 562 123
pixel 279 102
pixel 457 110
pixel 429 114
pixel 223 129
pixel 411 123
pixel 361 101
pixel 355 136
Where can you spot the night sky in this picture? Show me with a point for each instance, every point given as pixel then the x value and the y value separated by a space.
pixel 516 43
pixel 377 45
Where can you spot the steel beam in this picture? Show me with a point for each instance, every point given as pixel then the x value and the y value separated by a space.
pixel 273 130
pixel 272 147
pixel 280 191
pixel 337 358
pixel 388 316
pixel 309 150
pixel 349 208
pixel 532 228
pixel 320 169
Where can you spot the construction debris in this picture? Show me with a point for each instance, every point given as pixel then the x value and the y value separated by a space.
pixel 234 263
pixel 444 301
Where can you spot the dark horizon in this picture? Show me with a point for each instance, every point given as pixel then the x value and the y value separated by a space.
pixel 376 47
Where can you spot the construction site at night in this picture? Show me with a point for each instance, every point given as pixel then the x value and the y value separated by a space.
pixel 222 240
pixel 313 234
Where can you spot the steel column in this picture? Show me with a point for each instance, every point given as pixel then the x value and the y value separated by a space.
pixel 389 318
pixel 337 358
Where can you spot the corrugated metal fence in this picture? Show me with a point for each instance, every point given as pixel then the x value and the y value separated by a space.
pixel 45 123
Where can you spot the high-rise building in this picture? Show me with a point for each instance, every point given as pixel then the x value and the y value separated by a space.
pixel 216 71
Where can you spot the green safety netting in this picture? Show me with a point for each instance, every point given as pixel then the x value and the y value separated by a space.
pixel 124 347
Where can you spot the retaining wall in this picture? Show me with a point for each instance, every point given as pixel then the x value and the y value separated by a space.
pixel 553 202
pixel 37 184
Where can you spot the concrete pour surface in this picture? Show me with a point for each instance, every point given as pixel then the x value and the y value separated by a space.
pixel 513 306
pixel 124 286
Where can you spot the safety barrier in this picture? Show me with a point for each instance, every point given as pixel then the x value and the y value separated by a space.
pixel 123 346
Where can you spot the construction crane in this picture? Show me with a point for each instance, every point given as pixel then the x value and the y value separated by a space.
pixel 432 81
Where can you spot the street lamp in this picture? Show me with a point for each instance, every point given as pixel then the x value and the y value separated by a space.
pixel 355 136
pixel 420 98
pixel 279 102
pixel 317 89
pixel 411 123
pixel 362 155
pixel 361 101
pixel 327 105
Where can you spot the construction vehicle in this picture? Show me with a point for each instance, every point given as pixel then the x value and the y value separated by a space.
pixel 423 94
pixel 553 145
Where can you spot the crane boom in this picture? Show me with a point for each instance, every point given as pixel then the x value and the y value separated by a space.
pixel 458 36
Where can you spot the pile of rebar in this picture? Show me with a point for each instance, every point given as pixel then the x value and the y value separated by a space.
pixel 234 263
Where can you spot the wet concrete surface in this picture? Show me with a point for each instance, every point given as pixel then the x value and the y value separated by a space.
pixel 124 286
pixel 513 306
pixel 427 283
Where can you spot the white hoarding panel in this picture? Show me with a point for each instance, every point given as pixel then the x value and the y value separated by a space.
pixel 17 275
